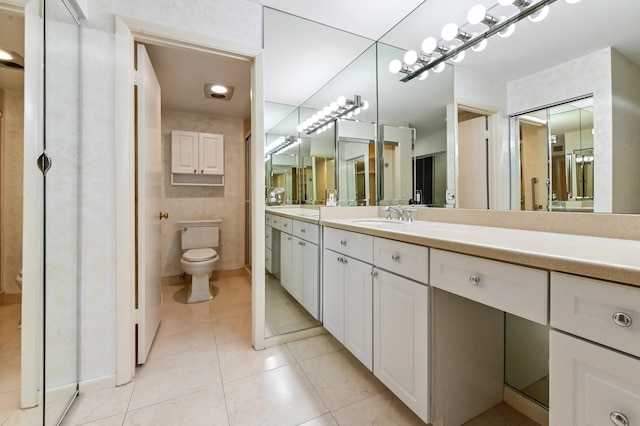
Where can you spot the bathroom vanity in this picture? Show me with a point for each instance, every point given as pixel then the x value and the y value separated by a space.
pixel 422 305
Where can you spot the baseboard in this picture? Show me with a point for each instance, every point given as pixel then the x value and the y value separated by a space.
pixel 12 298
pixel 246 269
pixel 97 384
pixel 521 403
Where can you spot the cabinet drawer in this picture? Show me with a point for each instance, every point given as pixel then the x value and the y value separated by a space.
pixel 282 223
pixel 589 384
pixel 515 289
pixel 358 246
pixel 268 237
pixel 408 260
pixel 597 310
pixel 268 219
pixel 306 231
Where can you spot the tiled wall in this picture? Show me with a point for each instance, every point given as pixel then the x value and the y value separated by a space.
pixel 205 202
pixel 12 164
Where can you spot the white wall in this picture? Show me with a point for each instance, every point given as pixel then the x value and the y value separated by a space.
pixel 233 20
pixel 626 134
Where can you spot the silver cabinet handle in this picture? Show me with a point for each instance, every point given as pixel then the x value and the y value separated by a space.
pixel 622 319
pixel 299 243
pixel 303 230
pixel 619 419
pixel 342 260
pixel 395 257
pixel 285 224
pixel 343 242
pixel 302 243
pixel 474 279
pixel 374 274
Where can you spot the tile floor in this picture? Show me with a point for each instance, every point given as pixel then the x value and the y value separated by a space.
pixel 202 370
pixel 283 313
pixel 9 360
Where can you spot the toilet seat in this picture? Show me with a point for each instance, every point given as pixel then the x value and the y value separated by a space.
pixel 199 255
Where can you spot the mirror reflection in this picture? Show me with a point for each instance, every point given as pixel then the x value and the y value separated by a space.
pixel 557 157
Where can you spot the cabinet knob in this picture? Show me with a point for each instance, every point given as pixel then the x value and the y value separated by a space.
pixel 164 215
pixel 195 171
pixel 201 171
pixel 619 419
pixel 343 242
pixel 622 319
pixel 395 257
pixel 340 259
pixel 285 224
pixel 303 230
pixel 474 279
pixel 374 274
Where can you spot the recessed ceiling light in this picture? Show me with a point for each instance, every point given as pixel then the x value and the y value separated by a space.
pixel 218 91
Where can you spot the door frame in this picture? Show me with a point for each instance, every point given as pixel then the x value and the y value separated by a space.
pixel 129 30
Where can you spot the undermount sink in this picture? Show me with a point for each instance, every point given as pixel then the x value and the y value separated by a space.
pixel 378 222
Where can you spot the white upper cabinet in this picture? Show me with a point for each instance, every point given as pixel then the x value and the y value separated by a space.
pixel 197 158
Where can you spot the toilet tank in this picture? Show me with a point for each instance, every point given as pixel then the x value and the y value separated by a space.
pixel 199 233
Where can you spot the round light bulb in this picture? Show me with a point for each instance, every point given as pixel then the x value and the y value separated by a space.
pixel 321 114
pixel 458 58
pixel 476 14
pixel 350 114
pixel 429 45
pixel 217 88
pixel 439 68
pixel 314 117
pixel 480 46
pixel 330 125
pixel 395 66
pixel 357 111
pixel 341 100
pixel 508 31
pixel 327 110
pixel 334 106
pixel 449 32
pixel 539 15
pixel 410 57
pixel 299 128
pixel 365 105
pixel 423 76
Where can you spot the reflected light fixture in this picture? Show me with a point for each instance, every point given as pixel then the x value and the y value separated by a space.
pixel 340 108
pixel 218 91
pixel 434 54
pixel 280 145
pixel 11 59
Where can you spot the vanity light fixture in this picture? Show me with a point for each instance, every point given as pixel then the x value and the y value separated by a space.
pixel 435 54
pixel 280 145
pixel 324 118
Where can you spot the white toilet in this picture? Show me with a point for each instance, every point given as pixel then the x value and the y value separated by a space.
pixel 199 238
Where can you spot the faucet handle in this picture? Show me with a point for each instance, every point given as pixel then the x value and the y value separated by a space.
pixel 388 210
pixel 410 214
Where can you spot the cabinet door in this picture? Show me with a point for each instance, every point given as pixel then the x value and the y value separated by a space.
pixel 401 339
pixel 358 309
pixel 333 294
pixel 184 152
pixel 296 280
pixel 211 154
pixel 286 252
pixel 310 279
pixel 590 384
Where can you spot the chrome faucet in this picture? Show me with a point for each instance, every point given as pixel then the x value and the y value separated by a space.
pixel 399 211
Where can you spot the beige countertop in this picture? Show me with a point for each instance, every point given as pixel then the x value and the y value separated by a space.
pixel 305 214
pixel 610 259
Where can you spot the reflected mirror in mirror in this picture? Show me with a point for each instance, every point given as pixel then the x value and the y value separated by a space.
pixel 556 157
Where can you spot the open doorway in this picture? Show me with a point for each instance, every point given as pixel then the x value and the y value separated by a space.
pixel 215 202
pixel 11 204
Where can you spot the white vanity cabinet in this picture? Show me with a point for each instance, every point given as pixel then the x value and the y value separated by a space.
pixel 594 371
pixel 306 266
pixel 197 158
pixel 401 322
pixel 347 291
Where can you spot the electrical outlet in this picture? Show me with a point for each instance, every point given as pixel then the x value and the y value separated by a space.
pixel 450 197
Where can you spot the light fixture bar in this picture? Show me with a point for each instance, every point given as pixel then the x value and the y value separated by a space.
pixel 492 30
pixel 350 106
pixel 281 144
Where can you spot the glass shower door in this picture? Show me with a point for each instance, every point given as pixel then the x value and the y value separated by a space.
pixel 61 201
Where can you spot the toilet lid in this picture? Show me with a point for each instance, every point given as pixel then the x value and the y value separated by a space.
pixel 199 255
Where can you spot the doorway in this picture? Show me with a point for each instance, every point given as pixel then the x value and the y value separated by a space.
pixel 152 34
